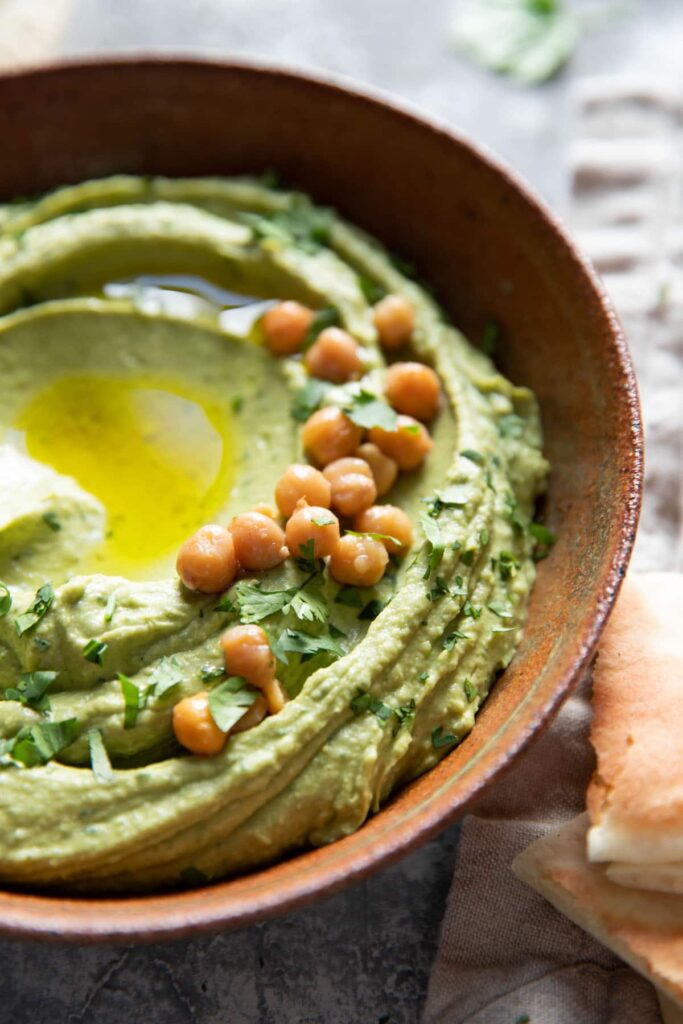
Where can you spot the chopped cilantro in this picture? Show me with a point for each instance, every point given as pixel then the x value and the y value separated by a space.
pixel 439 590
pixel 452 497
pixel 307 561
pixel 323 318
pixel 371 611
pixel 367 411
pixel 323 522
pixel 95 651
pixel 423 677
pixel 110 607
pixel 256 604
pixel 467 557
pixel 449 642
pixel 309 603
pixel 38 744
pixel 99 758
pixel 508 565
pixel 209 673
pixel 237 403
pixel 372 291
pixel 302 223
pixel 229 701
pixel 483 537
pixel 404 715
pixel 544 538
pixel 225 605
pixel 469 453
pixel 434 541
pixel 135 700
pixel 442 739
pixel 31 690
pixel 500 609
pixel 308 398
pixel 511 425
pixel 349 596
pixel 165 676
pixel 512 512
pixel 470 611
pixel 40 643
pixel 470 690
pixel 364 701
pixel 42 603
pixel 51 519
pixel 5 600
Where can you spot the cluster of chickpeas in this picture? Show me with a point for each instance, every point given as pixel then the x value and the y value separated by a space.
pixel 350 472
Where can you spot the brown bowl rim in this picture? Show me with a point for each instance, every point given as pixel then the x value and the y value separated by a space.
pixel 174 915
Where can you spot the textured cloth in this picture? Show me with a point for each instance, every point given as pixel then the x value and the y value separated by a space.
pixel 505 952
pixel 30 30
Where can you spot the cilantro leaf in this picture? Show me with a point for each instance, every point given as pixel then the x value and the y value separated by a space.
pixel 544 538
pixel 470 690
pixel 442 739
pixel 209 673
pixel 449 642
pixel 308 645
pixel 364 701
pixel 95 651
pixel 256 604
pixel 110 607
pixel 5 600
pixel 349 596
pixel 51 519
pixel 372 291
pixel 367 411
pixel 508 565
pixel 309 603
pixel 99 758
pixel 371 611
pixel 42 603
pixel 512 512
pixel 31 690
pixel 134 699
pixel 435 542
pixel 511 425
pixel 476 457
pixel 225 605
pixel 229 701
pixel 38 744
pixel 499 608
pixel 165 676
pixel 308 398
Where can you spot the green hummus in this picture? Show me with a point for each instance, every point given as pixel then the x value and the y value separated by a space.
pixel 97 634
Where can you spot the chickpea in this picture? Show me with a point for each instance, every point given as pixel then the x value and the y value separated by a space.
pixel 275 696
pixel 328 435
pixel 312 522
pixel 265 509
pixel 254 715
pixel 390 521
pixel 207 560
pixel 413 389
pixel 259 541
pixel 353 485
pixel 301 481
pixel 384 470
pixel 247 653
pixel 395 320
pixel 358 561
pixel 409 443
pixel 285 326
pixel 194 726
pixel 334 356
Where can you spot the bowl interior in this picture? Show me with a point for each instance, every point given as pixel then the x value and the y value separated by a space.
pixel 493 255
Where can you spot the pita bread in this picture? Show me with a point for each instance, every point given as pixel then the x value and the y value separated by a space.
pixel 657 877
pixel 635 799
pixel 643 928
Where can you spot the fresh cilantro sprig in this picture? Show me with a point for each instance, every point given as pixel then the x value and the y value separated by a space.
pixel 308 645
pixel 31 690
pixel 229 701
pixel 39 743
pixel 367 410
pixel 308 398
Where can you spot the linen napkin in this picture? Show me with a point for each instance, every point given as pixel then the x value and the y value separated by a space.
pixel 30 30
pixel 505 953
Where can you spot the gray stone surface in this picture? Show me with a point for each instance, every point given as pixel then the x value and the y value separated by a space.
pixel 363 956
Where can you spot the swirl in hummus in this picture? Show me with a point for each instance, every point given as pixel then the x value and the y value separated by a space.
pixel 131 311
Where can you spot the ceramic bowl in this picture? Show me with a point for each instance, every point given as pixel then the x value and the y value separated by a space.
pixel 493 252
